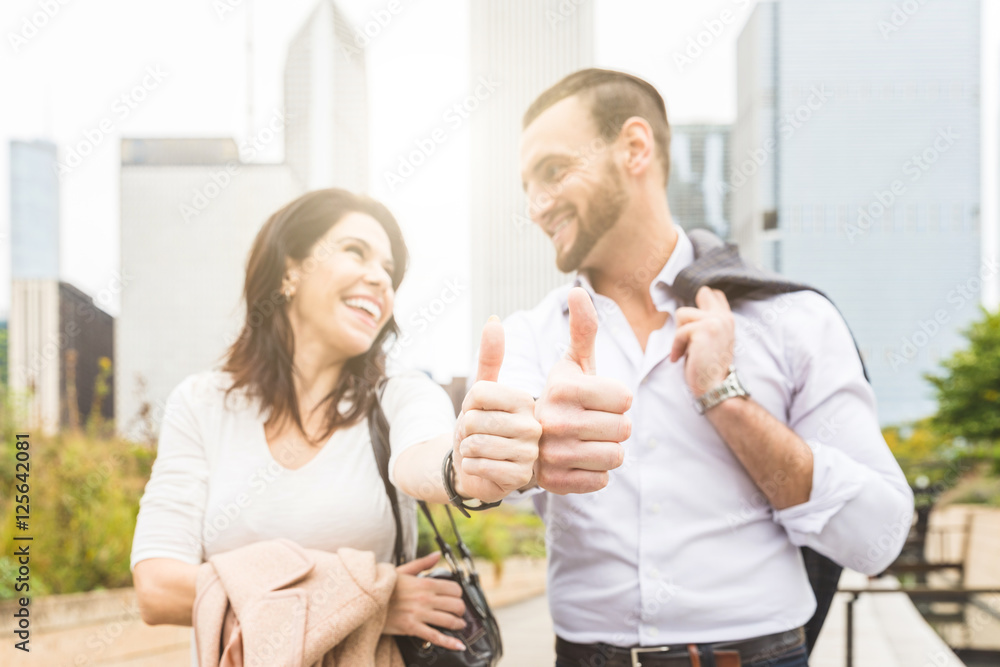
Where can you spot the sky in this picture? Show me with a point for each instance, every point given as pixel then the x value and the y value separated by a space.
pixel 64 75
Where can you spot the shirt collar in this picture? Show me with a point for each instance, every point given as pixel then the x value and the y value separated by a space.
pixel 681 258
pixel 660 289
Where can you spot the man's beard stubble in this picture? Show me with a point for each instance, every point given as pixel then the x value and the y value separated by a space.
pixel 604 208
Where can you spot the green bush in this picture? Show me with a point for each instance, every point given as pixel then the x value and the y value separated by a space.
pixel 492 535
pixel 980 490
pixel 84 499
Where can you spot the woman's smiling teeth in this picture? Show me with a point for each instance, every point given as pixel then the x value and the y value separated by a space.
pixel 366 305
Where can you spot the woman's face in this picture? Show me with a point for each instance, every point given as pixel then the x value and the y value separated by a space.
pixel 343 288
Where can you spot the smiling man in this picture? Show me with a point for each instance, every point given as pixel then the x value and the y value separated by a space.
pixel 677 492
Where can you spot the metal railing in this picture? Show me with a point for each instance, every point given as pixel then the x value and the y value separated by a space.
pixel 923 593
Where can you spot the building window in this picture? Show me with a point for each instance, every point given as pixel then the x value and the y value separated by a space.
pixel 819 219
pixel 776 256
pixel 934 217
pixel 771 219
pixel 911 218
pixel 957 217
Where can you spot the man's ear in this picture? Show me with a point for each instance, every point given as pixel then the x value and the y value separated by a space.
pixel 637 139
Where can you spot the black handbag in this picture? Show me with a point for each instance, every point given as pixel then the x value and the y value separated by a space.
pixel 481 635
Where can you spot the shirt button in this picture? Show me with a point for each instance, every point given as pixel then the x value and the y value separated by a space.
pixel 652 632
pixel 654 573
pixel 655 508
pixel 651 443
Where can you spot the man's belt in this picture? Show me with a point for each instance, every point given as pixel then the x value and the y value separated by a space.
pixel 718 654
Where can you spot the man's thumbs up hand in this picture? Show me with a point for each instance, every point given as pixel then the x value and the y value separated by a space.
pixel 582 330
pixel 582 416
pixel 496 437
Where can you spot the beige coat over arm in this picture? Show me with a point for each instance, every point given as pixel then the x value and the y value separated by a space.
pixel 278 604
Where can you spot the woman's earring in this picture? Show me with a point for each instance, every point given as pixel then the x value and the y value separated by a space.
pixel 289 292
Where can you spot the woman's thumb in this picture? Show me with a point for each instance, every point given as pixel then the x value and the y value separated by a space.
pixel 420 564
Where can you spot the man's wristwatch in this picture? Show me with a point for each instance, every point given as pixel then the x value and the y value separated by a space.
pixel 731 387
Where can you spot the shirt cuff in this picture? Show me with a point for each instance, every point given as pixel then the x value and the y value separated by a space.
pixel 527 494
pixel 146 554
pixel 837 479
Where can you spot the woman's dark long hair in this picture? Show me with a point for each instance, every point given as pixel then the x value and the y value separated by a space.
pixel 260 360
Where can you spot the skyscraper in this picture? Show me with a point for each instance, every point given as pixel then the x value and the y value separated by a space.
pixel 56 334
pixel 34 352
pixel 326 104
pixel 522 47
pixel 34 210
pixel 856 168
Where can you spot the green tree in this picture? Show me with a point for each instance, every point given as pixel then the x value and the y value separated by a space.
pixel 968 392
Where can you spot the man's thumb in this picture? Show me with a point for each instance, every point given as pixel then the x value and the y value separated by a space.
pixel 491 350
pixel 582 330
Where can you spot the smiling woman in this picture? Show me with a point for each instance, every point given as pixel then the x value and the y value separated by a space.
pixel 275 443
pixel 310 257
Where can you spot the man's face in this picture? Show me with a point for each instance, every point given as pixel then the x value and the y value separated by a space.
pixel 575 190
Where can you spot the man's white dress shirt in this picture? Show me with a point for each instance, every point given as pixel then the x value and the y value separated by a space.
pixel 681 546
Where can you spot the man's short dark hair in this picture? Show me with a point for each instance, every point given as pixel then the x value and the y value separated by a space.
pixel 613 97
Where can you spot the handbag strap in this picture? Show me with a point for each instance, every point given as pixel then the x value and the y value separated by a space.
pixel 446 550
pixel 463 549
pixel 378 430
